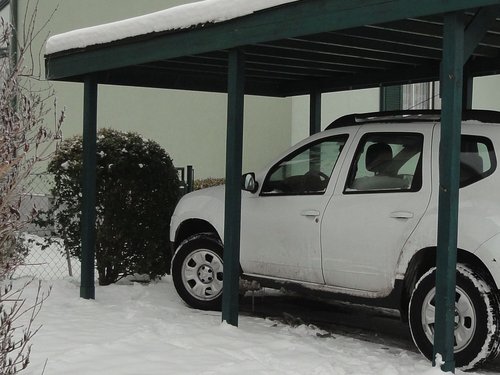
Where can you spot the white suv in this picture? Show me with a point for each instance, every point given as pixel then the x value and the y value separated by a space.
pixel 351 213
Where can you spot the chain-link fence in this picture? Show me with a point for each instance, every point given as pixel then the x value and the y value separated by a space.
pixel 46 260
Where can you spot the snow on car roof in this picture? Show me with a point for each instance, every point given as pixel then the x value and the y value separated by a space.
pixel 176 18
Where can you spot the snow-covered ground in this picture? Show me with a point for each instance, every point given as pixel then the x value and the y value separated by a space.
pixel 146 329
pixel 143 329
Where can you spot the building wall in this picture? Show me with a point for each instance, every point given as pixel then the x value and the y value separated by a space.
pixel 333 106
pixel 191 126
pixel 5 13
pixel 486 93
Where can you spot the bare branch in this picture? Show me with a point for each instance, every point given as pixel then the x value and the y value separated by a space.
pixel 29 133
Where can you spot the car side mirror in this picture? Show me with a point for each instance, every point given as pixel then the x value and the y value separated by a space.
pixel 249 183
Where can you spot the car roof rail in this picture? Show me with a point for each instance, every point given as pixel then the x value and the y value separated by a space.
pixel 420 115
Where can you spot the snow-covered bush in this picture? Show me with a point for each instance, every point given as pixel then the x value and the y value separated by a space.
pixel 137 190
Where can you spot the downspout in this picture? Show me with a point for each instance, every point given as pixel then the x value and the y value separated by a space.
pixel 14 20
pixel 14 44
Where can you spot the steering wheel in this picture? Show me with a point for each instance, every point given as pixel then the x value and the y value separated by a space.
pixel 322 176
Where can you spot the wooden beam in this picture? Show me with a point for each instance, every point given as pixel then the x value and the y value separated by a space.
pixel 449 177
pixel 232 215
pixel 290 20
pixel 171 79
pixel 424 73
pixel 87 285
pixel 478 27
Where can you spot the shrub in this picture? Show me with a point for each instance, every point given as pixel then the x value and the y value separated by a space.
pixel 208 182
pixel 137 190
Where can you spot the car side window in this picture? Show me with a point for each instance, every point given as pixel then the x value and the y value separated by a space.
pixel 386 162
pixel 305 171
pixel 477 159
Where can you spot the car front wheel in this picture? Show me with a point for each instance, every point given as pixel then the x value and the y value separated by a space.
pixel 476 317
pixel 197 269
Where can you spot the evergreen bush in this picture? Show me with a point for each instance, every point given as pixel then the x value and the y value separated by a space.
pixel 137 190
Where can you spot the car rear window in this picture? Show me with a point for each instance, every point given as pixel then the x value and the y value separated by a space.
pixel 477 159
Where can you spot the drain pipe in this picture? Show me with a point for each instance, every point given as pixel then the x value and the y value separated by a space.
pixel 14 43
pixel 14 18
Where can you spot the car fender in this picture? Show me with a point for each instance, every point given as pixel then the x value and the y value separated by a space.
pixel 489 254
pixel 478 222
pixel 206 204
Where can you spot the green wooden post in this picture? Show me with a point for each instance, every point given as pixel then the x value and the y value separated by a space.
pixel 87 286
pixel 232 218
pixel 449 173
pixel 467 91
pixel 315 113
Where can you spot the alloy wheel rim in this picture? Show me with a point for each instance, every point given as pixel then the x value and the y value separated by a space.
pixel 202 274
pixel 465 318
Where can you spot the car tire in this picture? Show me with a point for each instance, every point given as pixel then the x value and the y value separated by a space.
pixel 477 317
pixel 197 271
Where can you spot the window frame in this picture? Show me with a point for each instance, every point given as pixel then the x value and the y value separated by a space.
pixel 274 168
pixel 493 159
pixel 359 149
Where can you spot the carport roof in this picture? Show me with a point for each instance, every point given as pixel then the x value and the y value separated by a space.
pixel 294 48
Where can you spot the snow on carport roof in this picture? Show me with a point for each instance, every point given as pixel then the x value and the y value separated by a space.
pixel 290 47
pixel 176 18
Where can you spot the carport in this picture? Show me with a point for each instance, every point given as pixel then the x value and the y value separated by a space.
pixel 284 48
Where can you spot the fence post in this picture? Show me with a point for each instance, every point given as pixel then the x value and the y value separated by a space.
pixel 190 178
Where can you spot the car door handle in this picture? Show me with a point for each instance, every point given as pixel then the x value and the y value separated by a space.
pixel 401 214
pixel 310 213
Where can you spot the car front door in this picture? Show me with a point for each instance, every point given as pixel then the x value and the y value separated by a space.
pixel 382 194
pixel 280 234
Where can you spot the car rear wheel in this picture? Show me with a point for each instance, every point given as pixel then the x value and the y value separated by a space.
pixel 197 271
pixel 476 317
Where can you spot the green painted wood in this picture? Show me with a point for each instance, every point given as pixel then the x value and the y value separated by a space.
pixel 293 19
pixel 468 89
pixel 232 215
pixel 449 175
pixel 478 27
pixel 383 46
pixel 87 285
pixel 391 98
pixel 173 79
pixel 200 81
pixel 347 55
pixel 424 73
pixel 315 113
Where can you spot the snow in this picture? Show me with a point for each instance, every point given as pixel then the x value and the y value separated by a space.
pixel 176 18
pixel 133 328
pixel 146 329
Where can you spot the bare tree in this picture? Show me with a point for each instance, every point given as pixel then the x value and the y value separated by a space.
pixel 15 336
pixel 26 139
